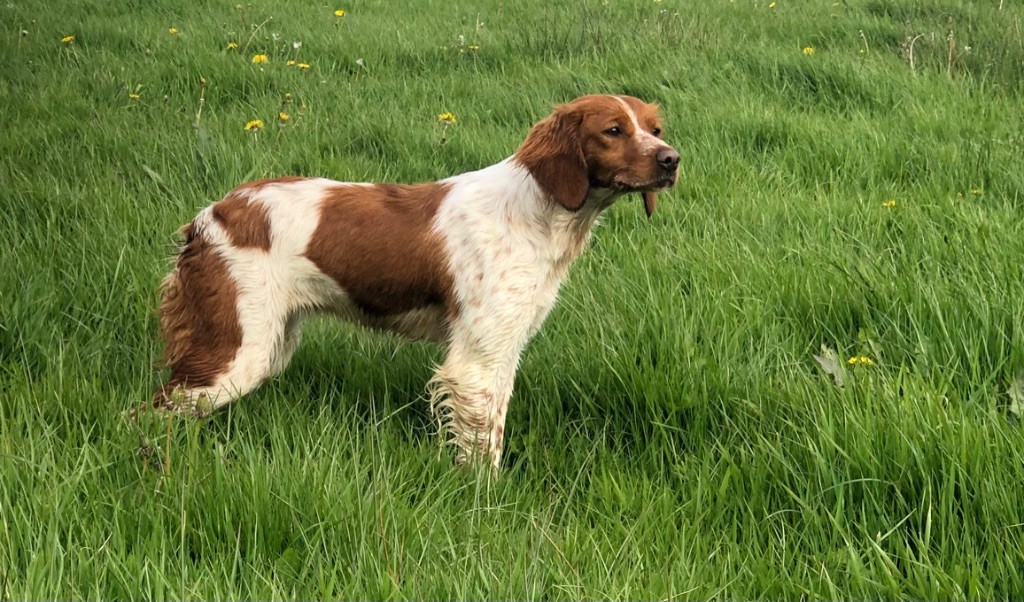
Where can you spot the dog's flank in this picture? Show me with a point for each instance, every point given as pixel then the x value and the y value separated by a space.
pixel 474 262
pixel 371 242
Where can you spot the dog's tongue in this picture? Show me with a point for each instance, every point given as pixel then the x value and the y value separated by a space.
pixel 649 199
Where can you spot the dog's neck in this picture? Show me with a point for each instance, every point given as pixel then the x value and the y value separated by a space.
pixel 569 231
pixel 514 199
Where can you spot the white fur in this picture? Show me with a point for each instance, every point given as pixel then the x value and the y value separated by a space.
pixel 509 248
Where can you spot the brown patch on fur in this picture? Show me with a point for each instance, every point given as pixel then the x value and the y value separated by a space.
pixel 376 242
pixel 247 223
pixel 198 318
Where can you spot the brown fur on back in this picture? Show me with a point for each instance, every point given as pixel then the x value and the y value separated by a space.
pixel 198 318
pixel 377 244
pixel 245 222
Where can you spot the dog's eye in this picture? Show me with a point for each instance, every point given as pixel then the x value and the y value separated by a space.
pixel 656 132
pixel 613 131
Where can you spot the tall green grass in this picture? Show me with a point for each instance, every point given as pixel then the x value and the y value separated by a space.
pixel 671 435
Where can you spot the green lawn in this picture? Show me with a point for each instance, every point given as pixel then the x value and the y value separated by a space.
pixel 671 434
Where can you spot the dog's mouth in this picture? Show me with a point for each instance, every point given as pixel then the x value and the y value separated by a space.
pixel 660 183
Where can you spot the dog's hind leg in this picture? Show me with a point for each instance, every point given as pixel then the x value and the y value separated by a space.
pixel 222 338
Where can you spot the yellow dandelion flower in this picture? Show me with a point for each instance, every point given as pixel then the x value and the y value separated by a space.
pixel 860 360
pixel 254 125
pixel 889 204
pixel 771 5
pixel 287 95
pixel 447 117
pixel 67 40
pixel 232 45
pixel 290 63
pixel 133 96
pixel 474 47
pixel 283 117
pixel 260 58
pixel 808 50
pixel 303 66
pixel 173 31
pixel 339 13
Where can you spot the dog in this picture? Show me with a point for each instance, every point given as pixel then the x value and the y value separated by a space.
pixel 473 262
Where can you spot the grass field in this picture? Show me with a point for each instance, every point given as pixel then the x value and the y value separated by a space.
pixel 852 182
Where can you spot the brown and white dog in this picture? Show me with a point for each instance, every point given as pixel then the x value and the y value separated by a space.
pixel 473 262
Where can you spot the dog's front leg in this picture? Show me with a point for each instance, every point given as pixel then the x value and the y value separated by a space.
pixel 471 390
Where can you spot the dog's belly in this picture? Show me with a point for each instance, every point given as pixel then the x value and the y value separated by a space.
pixel 427 323
pixel 424 324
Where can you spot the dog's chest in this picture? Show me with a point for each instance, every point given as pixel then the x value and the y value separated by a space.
pixel 515 267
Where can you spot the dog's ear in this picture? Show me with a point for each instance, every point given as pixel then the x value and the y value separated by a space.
pixel 650 198
pixel 553 154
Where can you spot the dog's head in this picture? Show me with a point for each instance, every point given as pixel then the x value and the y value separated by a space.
pixel 600 141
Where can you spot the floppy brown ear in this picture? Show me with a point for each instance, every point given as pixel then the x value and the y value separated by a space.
pixel 553 155
pixel 650 198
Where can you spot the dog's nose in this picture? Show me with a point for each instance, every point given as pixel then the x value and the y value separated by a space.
pixel 668 159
